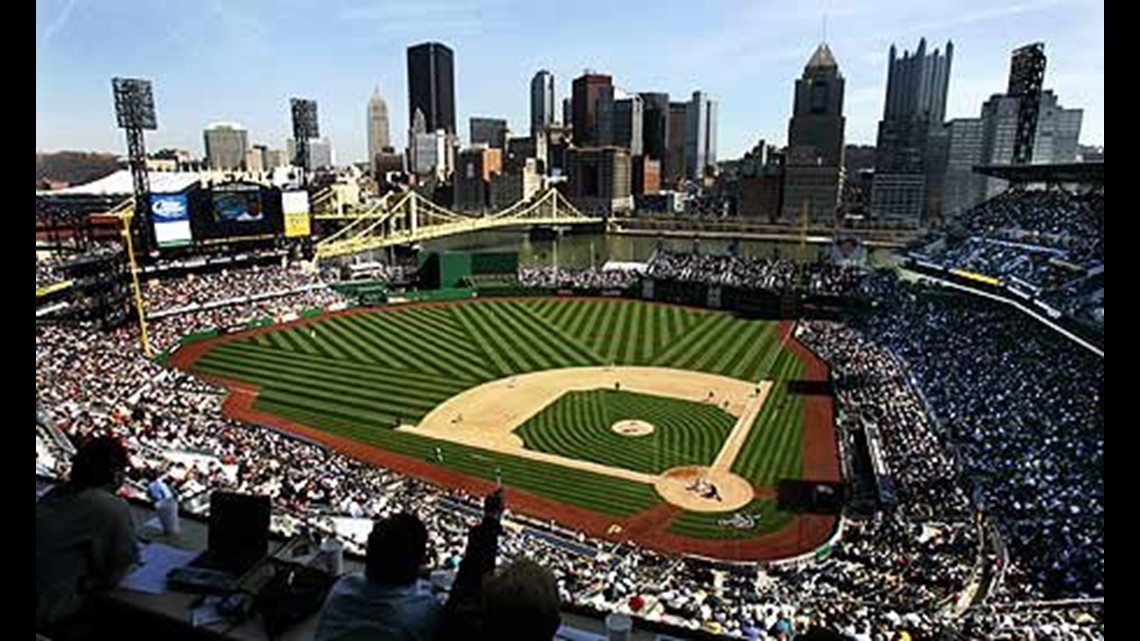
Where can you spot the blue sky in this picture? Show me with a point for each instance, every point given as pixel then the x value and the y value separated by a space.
pixel 241 60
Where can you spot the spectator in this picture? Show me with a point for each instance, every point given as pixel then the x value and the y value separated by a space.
pixel 388 602
pixel 521 602
pixel 85 538
pixel 464 604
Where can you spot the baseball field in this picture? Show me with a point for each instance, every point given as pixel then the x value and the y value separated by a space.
pixel 663 424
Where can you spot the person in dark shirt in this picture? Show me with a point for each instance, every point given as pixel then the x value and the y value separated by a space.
pixel 85 539
pixel 388 602
pixel 519 601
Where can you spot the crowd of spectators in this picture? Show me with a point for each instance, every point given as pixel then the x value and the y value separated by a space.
pixel 1048 243
pixel 166 330
pixel 1024 408
pixel 1053 218
pixel 1004 260
pixel 773 274
pixel 1015 407
pixel 195 289
pixel 585 278
pixel 47 271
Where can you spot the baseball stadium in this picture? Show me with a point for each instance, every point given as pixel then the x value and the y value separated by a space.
pixel 381 401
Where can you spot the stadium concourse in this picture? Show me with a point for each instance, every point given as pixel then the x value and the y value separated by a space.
pixel 989 427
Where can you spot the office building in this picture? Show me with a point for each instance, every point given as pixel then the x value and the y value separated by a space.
pixel 475 167
pixel 431 155
pixel 992 140
pixel 628 124
pixel 909 152
pixel 1058 131
pixel 378 130
pixel 585 93
pixel 655 127
pixel 431 86
pixel 492 132
pixel 226 146
pixel 557 141
pixel 521 148
pixel 255 159
pixel 515 183
pixel 388 161
pixel 814 160
pixel 646 175
pixel 320 152
pixel 700 137
pixel 598 178
pixel 961 187
pixel 275 158
pixel 542 101
pixel 1055 138
pixel 675 143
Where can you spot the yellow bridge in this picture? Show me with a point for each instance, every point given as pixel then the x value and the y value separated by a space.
pixel 401 219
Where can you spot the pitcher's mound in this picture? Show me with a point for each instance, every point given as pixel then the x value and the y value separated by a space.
pixel 696 488
pixel 633 427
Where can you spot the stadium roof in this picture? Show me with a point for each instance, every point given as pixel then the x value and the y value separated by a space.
pixel 120 183
pixel 1073 172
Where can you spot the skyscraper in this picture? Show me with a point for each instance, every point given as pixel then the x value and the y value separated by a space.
pixel 431 85
pixel 909 151
pixel 226 145
pixel 377 126
pixel 815 141
pixel 675 151
pixel 700 136
pixel 618 119
pixel 542 101
pixel 585 92
pixel 961 187
pixel 655 126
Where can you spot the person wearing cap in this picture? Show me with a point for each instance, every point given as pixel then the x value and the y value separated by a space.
pixel 85 536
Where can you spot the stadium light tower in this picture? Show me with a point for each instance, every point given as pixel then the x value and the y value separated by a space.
pixel 305 128
pixel 134 111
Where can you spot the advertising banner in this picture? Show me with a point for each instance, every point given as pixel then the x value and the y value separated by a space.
pixel 295 204
pixel 170 214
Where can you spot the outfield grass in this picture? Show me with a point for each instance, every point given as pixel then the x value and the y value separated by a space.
pixel 579 425
pixel 360 375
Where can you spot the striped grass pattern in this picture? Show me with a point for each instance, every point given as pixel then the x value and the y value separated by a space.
pixel 359 375
pixel 579 425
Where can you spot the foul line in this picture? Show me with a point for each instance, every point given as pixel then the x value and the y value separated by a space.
pixel 740 431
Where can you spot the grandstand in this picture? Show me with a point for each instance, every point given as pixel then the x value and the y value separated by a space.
pixel 971 432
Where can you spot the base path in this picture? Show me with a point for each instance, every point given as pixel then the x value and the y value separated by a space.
pixel 486 416
pixel 740 432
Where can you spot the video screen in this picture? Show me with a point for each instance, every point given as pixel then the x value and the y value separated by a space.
pixel 238 204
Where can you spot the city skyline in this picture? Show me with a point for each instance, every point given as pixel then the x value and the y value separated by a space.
pixel 720 52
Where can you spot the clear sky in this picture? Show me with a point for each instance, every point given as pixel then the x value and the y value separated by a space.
pixel 241 60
